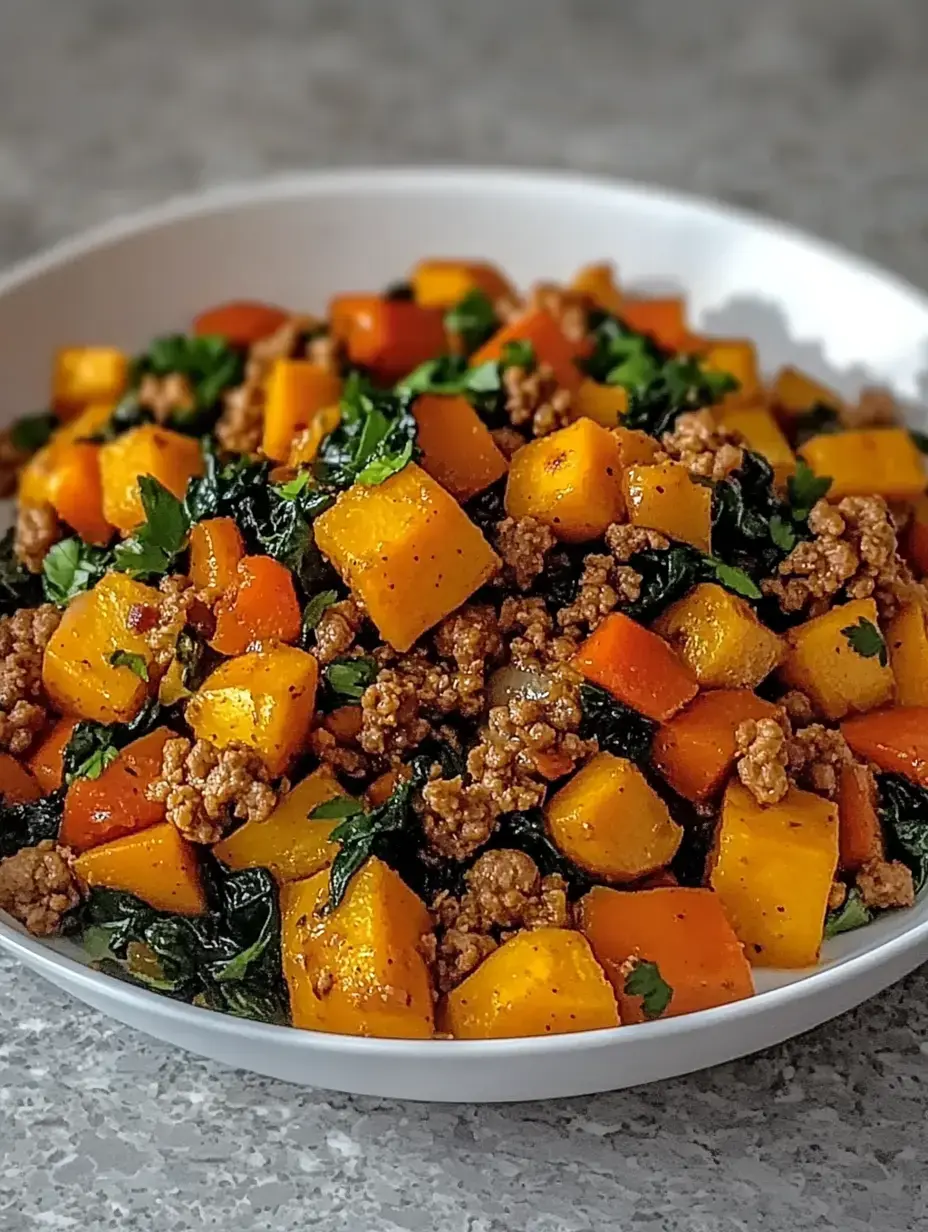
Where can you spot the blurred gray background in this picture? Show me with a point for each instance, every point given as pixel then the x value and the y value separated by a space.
pixel 812 110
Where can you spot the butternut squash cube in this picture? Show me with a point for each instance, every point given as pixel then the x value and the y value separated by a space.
pixel 795 392
pixel 916 537
pixel 772 867
pixel 822 662
pixel 737 357
pixel 290 843
pixel 599 283
pixel 87 374
pixel 357 970
pixel 216 547
pixel 762 434
pixel 611 822
pixel 457 448
pixel 570 480
pixel 635 448
pixel 543 982
pixel 409 551
pixel 296 390
pixel 907 643
pixel 721 639
pixel 264 699
pixel 665 498
pixel 39 475
pixel 606 404
pixel 168 456
pixel 306 444
pixel 157 865
pixel 76 669
pixel 881 461
pixel 443 283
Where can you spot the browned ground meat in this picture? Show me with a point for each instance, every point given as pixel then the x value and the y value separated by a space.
pixel 797 707
pixel 507 440
pixel 337 629
pixel 875 408
pixel 522 544
pixel 529 628
pixel 37 887
pixel 457 817
pixel 883 884
pixel 603 585
pixel 571 309
pixel 623 540
pixel 37 531
pixel 814 756
pixel 837 895
pixel 343 758
pixel 163 395
pixel 11 462
pixel 534 398
pixel 203 788
pixel 761 765
pixel 854 549
pixel 391 721
pixel 326 351
pixel 241 423
pixel 23 638
pixel 703 446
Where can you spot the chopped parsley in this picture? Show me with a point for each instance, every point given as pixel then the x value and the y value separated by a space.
pixel 852 913
pixel 134 662
pixel 473 319
pixel 71 567
pixel 156 544
pixel 645 981
pixel 348 678
pixel 805 490
pixel 866 640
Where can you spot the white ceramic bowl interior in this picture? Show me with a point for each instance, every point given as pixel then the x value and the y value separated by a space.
pixel 297 241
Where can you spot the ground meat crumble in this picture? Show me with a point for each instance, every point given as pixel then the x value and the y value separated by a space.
pixel 762 758
pixel 522 544
pixel 203 788
pixel 37 531
pixel 702 445
pixel 163 395
pixel 884 884
pixel 534 399
pixel 337 628
pixel 505 893
pixel 815 755
pixel 37 887
pixel 23 638
pixel 624 540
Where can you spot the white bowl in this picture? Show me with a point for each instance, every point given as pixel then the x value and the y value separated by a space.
pixel 299 240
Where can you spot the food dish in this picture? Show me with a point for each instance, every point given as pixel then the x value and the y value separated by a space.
pixel 388 612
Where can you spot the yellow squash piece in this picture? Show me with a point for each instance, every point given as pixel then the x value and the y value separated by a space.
pixel 721 639
pixel 635 448
pixel 822 661
pixel 794 392
pixel 264 699
pixel 441 283
pixel 38 476
pixel 665 498
pixel 611 822
pixel 762 434
pixel 543 982
pixel 907 643
pixel 156 865
pixel 168 456
pixel 357 970
pixel 408 549
pixel 87 374
pixel 606 404
pixel 873 461
pixel 297 390
pixel 569 480
pixel 772 867
pixel 457 448
pixel 289 843
pixel 76 669
pixel 599 283
pixel 737 357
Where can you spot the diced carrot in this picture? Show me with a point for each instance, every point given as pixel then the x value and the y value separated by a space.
pixel 216 548
pixel 662 319
pixel 348 311
pixel 637 667
pixel 439 283
pixel 260 606
pixel 896 740
pixel 681 929
pixel 75 491
pixel 860 835
pixel 241 322
pixel 114 804
pixel 46 762
pixel 344 722
pixel 383 787
pixel 297 390
pixel 16 783
pixel 550 345
pixel 394 336
pixel 695 750
pixel 157 865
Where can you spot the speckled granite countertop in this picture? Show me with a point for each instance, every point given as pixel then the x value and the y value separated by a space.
pixel 813 110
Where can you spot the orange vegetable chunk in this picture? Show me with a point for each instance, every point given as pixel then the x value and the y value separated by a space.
pixel 46 762
pixel 637 667
pixel 599 283
pixel 391 337
pixel 550 345
pixel 442 282
pixel 114 804
pixel 895 740
pixel 916 536
pixel 795 392
pixel 683 930
pixel 261 605
pixel 457 448
pixel 155 864
pixel 884 461
pixel 17 785
pixel 860 835
pixel 87 374
pixel 297 390
pixel 604 404
pixel 695 750
pixel 663 319
pixel 240 321
pixel 907 643
pixel 75 490
pixel 664 497
pixel 170 457
pixel 216 548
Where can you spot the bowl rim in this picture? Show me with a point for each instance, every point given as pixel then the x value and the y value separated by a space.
pixel 404 179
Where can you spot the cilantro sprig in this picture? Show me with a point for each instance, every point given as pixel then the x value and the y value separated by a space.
pixel 156 544
pixel 645 981
pixel 134 662
pixel 805 489
pixel 865 639
pixel 473 319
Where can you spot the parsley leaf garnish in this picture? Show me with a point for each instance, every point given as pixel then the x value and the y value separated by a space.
pixel 734 579
pixel 805 489
pixel 72 567
pixel 293 487
pixel 473 319
pixel 375 437
pixel 337 809
pixel 348 678
pixel 135 663
pixel 853 913
pixel 866 639
pixel 31 432
pixel 782 533
pixel 315 608
pixel 89 751
pixel 645 981
pixel 209 365
pixel 519 353
pixel 161 538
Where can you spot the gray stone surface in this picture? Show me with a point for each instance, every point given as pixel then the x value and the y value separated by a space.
pixel 811 109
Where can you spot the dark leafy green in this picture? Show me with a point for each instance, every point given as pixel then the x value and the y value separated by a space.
pixel 473 319
pixel 337 809
pixel 618 728
pixel 93 746
pixel 348 678
pixel 519 353
pixel 375 437
pixel 805 488
pixel 904 814
pixel 18 587
pixel 658 395
pixel 620 356
pixel 526 831
pixel 155 546
pixel 25 825
pixel 210 365
pixel 71 567
pixel 195 658
pixel 747 519
pixel 488 509
pixel 128 414
pixel 919 440
pixel 31 432
pixel 819 420
pixel 645 981
pixel 315 609
pixel 852 913
pixel 665 577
